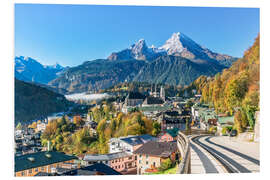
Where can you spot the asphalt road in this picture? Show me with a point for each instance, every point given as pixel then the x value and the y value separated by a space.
pixel 211 153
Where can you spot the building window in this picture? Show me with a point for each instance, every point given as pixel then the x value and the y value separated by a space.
pixel 146 156
pixel 154 164
pixel 146 162
pixel 42 168
pixel 140 161
pixel 140 155
pixel 30 171
pixel 22 173
pixel 36 170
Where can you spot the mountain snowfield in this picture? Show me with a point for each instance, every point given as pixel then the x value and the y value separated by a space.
pixel 173 45
pixel 177 45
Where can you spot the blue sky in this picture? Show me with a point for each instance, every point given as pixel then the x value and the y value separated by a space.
pixel 72 34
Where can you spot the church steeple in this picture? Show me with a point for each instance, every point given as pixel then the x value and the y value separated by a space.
pixel 155 90
pixel 162 93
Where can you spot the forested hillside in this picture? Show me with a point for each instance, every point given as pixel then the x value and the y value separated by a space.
pixel 235 90
pixel 97 74
pixel 32 101
pixel 175 70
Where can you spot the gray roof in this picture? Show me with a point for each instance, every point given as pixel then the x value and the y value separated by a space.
pixel 172 113
pixel 135 95
pixel 160 149
pixel 173 120
pixel 92 170
pixel 135 140
pixel 38 159
pixel 152 108
pixel 154 100
pixel 105 157
pixel 43 174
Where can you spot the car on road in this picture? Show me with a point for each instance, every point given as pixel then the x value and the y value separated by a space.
pixel 233 133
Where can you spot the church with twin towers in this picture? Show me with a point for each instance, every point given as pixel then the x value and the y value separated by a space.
pixel 154 92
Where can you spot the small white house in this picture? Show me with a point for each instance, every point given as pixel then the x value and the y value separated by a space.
pixel 41 127
pixel 129 143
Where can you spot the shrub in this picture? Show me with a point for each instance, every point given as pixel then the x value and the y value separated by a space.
pixel 213 129
pixel 224 131
pixel 166 164
pixel 229 128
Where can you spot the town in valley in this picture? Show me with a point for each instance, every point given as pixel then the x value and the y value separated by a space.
pixel 124 132
pixel 114 104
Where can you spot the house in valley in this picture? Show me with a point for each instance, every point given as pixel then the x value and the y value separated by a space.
pixel 168 135
pixel 172 119
pixel 95 169
pixel 44 161
pixel 128 144
pixel 123 162
pixel 151 155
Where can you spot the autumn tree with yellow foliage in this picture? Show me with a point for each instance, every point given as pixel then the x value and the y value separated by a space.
pixel 134 123
pixel 236 90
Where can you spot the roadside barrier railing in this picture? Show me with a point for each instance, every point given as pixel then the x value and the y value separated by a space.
pixel 183 145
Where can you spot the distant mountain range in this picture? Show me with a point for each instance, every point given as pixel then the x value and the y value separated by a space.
pixel 178 62
pixel 97 74
pixel 177 45
pixel 30 70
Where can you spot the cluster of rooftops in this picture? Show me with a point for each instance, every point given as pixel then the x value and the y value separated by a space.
pixel 152 99
pixel 151 146
pixel 44 158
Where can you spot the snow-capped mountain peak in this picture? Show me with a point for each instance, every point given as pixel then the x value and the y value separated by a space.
pixel 139 46
pixel 25 58
pixel 28 69
pixel 141 41
pixel 177 45
pixel 55 66
pixel 173 45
